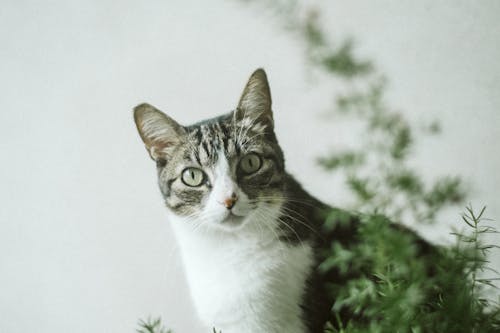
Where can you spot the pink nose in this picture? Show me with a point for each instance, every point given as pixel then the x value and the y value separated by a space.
pixel 229 202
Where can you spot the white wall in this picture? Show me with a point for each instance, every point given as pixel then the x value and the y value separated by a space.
pixel 84 245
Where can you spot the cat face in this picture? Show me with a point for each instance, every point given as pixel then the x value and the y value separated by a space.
pixel 222 172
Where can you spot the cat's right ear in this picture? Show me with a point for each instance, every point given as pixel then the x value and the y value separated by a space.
pixel 255 102
pixel 159 132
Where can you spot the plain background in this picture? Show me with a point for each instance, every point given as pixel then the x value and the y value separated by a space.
pixel 84 244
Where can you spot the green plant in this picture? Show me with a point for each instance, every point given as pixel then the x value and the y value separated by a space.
pixel 401 288
pixel 151 326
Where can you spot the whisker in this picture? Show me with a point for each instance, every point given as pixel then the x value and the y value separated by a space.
pixel 266 217
pixel 286 198
pixel 287 225
pixel 299 221
pixel 288 211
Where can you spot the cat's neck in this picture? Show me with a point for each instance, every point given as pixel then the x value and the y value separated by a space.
pixel 247 281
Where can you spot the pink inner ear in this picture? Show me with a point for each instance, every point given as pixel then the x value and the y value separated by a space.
pixel 158 149
pixel 158 131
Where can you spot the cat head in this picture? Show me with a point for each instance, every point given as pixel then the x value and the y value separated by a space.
pixel 224 172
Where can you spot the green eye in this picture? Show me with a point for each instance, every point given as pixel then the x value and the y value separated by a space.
pixel 193 177
pixel 250 163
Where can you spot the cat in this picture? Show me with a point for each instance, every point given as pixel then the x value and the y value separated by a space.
pixel 250 236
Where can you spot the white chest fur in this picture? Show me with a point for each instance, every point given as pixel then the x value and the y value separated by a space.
pixel 245 282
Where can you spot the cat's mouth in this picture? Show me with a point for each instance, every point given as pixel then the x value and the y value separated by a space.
pixel 232 220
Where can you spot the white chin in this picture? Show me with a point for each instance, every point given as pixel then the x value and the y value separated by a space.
pixel 231 222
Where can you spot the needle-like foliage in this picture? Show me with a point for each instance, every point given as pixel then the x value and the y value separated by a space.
pixel 152 326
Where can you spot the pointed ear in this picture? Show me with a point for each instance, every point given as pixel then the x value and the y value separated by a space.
pixel 255 102
pixel 159 132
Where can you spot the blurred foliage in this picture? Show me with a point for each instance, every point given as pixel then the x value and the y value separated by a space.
pixel 396 288
pixel 152 326
pixel 387 142
pixel 377 172
pixel 155 326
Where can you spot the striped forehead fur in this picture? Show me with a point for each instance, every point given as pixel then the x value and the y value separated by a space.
pixel 226 134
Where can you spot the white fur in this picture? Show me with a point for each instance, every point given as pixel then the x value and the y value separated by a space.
pixel 242 278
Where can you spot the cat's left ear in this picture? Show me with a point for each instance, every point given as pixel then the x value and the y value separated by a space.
pixel 255 102
pixel 160 133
